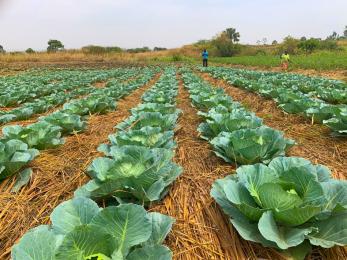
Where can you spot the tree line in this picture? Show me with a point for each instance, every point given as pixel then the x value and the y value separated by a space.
pixel 226 44
pixel 56 46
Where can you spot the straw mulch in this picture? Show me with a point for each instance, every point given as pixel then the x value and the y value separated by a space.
pixel 57 174
pixel 201 230
pixel 34 118
pixel 313 141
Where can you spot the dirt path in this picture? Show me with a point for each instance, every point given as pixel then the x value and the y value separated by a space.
pixel 313 141
pixel 57 174
pixel 201 230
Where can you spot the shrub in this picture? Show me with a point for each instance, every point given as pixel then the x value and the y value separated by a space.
pixel 309 45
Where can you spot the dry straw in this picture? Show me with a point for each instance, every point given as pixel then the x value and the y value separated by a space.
pixel 313 142
pixel 201 230
pixel 57 174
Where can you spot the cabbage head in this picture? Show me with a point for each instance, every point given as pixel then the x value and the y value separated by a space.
pixel 289 204
pixel 14 154
pixel 248 146
pixel 131 173
pixel 40 135
pixel 80 230
pixel 69 123
pixel 217 123
pixel 152 137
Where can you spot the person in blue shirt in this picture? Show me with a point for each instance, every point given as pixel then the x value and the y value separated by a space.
pixel 204 58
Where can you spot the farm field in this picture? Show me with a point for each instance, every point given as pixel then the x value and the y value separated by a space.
pixel 171 162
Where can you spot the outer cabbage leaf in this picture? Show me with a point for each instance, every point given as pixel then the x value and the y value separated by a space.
pixel 247 146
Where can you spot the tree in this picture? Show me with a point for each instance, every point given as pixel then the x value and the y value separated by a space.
pixel 333 36
pixel 54 45
pixel 232 34
pixel 29 51
pixel 303 38
pixel 289 44
pixel 225 47
pixel 274 42
pixel 345 32
pixel 309 45
pixel 2 50
pixel 159 49
pixel 264 41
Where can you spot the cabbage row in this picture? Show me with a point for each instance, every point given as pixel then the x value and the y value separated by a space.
pixel 286 203
pixel 60 93
pixel 237 135
pixel 295 94
pixel 138 168
pixel 30 87
pixel 19 145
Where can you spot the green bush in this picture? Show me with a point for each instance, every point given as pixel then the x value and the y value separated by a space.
pixel 328 45
pixel 94 49
pixel 309 45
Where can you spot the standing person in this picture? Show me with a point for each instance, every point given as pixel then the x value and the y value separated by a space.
pixel 285 58
pixel 204 58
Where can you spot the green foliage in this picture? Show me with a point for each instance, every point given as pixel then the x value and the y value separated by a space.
pixel 248 146
pixel 2 50
pixel 330 45
pixel 289 44
pixel 30 51
pixel 225 47
pixel 54 45
pixel 285 204
pixel 14 154
pixel 138 50
pixel 131 173
pixel 151 137
pixel 338 123
pixel 94 49
pixel 334 36
pixel 81 230
pixel 159 49
pixel 309 45
pixel 90 105
pixel 69 123
pixel 41 135
pixel 227 122
pixel 232 34
pixel 318 98
pixel 320 60
pixel 156 119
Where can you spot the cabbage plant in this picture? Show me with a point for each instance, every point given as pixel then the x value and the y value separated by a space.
pixel 41 135
pixel 69 123
pixel 155 119
pixel 322 112
pixel 80 230
pixel 211 100
pixel 338 124
pixel 152 137
pixel 90 105
pixel 160 96
pixel 155 107
pixel 14 154
pixel 288 204
pixel 248 146
pixel 227 122
pixel 131 173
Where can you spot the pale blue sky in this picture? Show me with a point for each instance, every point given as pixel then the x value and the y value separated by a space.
pixel 164 23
